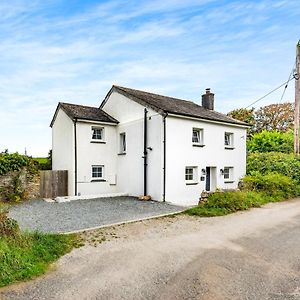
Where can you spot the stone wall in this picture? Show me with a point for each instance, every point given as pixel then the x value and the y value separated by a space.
pixel 30 185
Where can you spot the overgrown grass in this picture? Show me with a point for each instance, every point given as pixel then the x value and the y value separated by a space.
pixel 257 190
pixel 223 203
pixel 24 255
pixel 29 254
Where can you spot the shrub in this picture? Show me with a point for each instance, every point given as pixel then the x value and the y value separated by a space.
pixel 223 203
pixel 285 164
pixel 16 162
pixel 271 183
pixel 15 191
pixel 8 226
pixel 271 141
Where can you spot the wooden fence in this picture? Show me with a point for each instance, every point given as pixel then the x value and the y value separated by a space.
pixel 54 183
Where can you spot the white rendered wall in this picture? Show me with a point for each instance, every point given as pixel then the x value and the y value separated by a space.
pixel 63 147
pixel 181 153
pixel 130 167
pixel 90 153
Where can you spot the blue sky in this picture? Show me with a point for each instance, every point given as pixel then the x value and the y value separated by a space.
pixel 73 51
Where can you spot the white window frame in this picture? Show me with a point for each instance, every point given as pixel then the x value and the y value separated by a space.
pixel 228 174
pixel 228 140
pixel 96 137
pixel 200 136
pixel 97 172
pixel 123 143
pixel 191 175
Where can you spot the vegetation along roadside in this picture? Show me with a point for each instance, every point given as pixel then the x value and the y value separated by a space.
pixel 24 255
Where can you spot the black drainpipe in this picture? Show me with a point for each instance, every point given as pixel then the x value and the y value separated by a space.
pixel 145 152
pixel 164 157
pixel 75 151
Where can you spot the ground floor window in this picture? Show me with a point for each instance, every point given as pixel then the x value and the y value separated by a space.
pixel 191 174
pixel 97 172
pixel 228 174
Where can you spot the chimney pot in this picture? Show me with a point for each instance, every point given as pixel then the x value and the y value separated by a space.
pixel 208 99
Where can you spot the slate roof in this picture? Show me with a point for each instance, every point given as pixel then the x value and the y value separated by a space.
pixel 75 111
pixel 164 104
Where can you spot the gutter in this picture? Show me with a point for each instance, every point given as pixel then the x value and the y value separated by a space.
pixel 145 151
pixel 75 153
pixel 164 156
pixel 187 116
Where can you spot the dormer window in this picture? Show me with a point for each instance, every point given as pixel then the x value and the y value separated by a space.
pixel 98 134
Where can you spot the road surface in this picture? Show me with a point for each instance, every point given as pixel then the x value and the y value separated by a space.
pixel 248 255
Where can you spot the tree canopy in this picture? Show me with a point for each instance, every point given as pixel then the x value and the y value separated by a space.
pixel 278 117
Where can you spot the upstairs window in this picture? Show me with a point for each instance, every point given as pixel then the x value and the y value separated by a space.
pixel 197 137
pixel 122 143
pixel 97 133
pixel 97 172
pixel 191 175
pixel 228 140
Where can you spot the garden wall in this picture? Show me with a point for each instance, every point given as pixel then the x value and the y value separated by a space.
pixel 26 182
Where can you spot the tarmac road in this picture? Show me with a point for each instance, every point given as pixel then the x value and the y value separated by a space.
pixel 248 255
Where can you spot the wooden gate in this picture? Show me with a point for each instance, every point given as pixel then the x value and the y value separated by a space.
pixel 54 183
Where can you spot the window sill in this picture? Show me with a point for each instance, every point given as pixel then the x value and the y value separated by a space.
pixel 98 180
pixel 229 181
pixel 198 145
pixel 98 142
pixel 229 147
pixel 122 153
pixel 191 183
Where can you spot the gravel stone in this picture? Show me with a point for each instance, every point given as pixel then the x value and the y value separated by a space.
pixel 84 214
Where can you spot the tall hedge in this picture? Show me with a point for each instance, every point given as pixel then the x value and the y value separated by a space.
pixel 282 163
pixel 271 141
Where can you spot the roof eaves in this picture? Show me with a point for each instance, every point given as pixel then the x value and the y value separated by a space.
pixel 208 119
pixel 60 105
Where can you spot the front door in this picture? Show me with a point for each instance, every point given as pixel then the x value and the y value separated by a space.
pixel 207 180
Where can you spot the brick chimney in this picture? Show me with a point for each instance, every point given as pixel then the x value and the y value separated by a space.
pixel 208 99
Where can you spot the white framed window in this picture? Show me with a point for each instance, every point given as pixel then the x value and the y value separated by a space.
pixel 197 137
pixel 228 140
pixel 123 142
pixel 228 174
pixel 97 133
pixel 191 175
pixel 97 172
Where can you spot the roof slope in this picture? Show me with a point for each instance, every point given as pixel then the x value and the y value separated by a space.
pixel 75 111
pixel 164 104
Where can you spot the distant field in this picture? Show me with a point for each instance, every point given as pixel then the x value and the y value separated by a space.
pixel 41 160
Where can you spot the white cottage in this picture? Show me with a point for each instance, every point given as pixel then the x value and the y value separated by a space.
pixel 142 143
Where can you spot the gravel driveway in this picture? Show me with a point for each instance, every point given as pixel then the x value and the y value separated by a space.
pixel 84 214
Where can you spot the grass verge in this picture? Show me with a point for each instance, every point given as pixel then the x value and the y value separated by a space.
pixel 223 203
pixel 27 255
